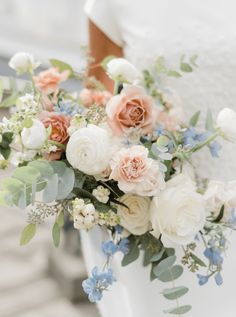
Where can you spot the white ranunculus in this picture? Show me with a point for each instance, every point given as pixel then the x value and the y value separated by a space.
pixel 135 218
pixel 226 121
pixel 178 213
pixel 33 138
pixel 23 62
pixel 89 150
pixel 122 70
pixel 215 196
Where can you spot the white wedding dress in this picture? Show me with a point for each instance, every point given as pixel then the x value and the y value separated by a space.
pixel 147 29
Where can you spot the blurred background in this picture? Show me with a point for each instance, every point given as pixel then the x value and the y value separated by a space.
pixel 39 280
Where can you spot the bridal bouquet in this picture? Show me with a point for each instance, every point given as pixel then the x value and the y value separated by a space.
pixel 120 161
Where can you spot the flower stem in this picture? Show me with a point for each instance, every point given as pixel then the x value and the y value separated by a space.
pixel 208 141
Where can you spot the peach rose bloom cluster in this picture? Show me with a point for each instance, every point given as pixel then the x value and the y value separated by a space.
pixel 48 81
pixel 136 173
pixel 59 124
pixel 132 108
pixel 90 97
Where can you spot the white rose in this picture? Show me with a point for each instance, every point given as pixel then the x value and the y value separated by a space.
pixel 23 62
pixel 135 218
pixel 178 213
pixel 89 150
pixel 34 137
pixel 122 70
pixel 215 196
pixel 226 121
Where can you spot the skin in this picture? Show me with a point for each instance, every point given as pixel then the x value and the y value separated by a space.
pixel 101 46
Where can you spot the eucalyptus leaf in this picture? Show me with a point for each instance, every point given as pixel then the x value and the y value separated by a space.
pixel 51 189
pixel 185 67
pixel 164 265
pixel 209 124
pixel 9 101
pixel 60 219
pixel 194 119
pixel 171 273
pixel 179 310
pixel 133 252
pixel 66 180
pixel 26 174
pixel 174 73
pixel 56 234
pixel 62 66
pixel 157 257
pixel 175 292
pixel 27 234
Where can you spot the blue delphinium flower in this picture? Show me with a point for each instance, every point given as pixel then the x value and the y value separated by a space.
pixel 97 283
pixel 158 130
pixel 202 279
pixel 68 107
pixel 123 246
pixel 109 248
pixel 190 137
pixel 218 279
pixel 119 229
pixel 214 148
pixel 214 256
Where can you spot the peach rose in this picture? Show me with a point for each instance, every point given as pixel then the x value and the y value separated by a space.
pixel 131 109
pixel 49 80
pixel 91 96
pixel 136 173
pixel 59 124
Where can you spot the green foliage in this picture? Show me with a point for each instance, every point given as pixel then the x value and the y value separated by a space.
pixel 209 124
pixel 179 310
pixel 5 149
pixel 54 179
pixel 56 234
pixel 194 119
pixel 185 67
pixel 167 271
pixel 27 234
pixel 151 246
pixel 62 66
pixel 9 101
pixel 175 292
pixel 133 251
pixel 164 265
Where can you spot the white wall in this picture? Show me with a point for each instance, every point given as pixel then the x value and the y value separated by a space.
pixel 46 28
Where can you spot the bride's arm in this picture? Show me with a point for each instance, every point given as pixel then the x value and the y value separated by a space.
pixel 101 46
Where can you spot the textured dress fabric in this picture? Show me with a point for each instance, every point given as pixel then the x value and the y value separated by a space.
pixel 145 30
